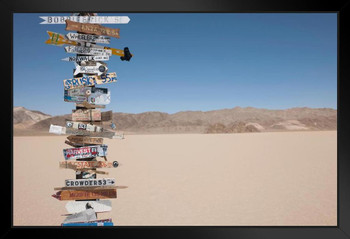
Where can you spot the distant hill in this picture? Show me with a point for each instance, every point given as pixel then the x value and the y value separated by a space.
pixel 235 120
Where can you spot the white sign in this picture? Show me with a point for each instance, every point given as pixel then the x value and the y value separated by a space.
pixel 90 182
pixel 86 58
pixel 99 69
pixel 98 206
pixel 88 50
pixel 56 129
pixel 84 216
pixel 85 19
pixel 88 38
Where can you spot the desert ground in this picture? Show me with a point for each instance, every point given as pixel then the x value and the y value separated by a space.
pixel 243 179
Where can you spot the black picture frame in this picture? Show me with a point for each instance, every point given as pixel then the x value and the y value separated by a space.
pixel 342 8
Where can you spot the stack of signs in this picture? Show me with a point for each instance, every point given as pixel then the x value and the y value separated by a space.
pixel 87 195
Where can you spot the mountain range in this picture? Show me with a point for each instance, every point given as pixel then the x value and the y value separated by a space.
pixel 235 120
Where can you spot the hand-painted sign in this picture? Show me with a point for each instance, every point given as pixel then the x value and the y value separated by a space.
pixel 85 194
pixel 86 115
pixel 59 39
pixel 88 38
pixel 92 29
pixel 86 58
pixel 90 182
pixel 89 81
pixel 85 140
pixel 98 69
pixel 86 19
pixel 87 164
pixel 98 206
pixel 88 50
pixel 85 152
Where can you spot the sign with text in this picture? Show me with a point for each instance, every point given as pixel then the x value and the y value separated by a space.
pixel 85 19
pixel 90 28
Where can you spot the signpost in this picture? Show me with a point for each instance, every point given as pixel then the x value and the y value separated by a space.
pixel 85 129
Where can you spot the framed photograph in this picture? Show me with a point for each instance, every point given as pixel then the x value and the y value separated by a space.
pixel 222 119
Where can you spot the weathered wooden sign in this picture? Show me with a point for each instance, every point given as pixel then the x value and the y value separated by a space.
pixel 87 105
pixel 98 69
pixel 88 50
pixel 92 188
pixel 88 38
pixel 90 28
pixel 59 39
pixel 86 19
pixel 84 140
pixel 86 115
pixel 90 182
pixel 86 58
pixel 98 206
pixel 76 165
pixel 85 194
pixel 85 152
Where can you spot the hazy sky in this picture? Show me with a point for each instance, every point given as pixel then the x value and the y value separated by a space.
pixel 190 62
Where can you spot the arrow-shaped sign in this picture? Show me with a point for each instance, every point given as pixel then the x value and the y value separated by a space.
pixel 88 38
pixel 86 58
pixel 86 19
pixel 59 39
pixel 88 50
pixel 99 69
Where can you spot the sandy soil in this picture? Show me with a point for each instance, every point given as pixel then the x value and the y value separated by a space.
pixel 247 179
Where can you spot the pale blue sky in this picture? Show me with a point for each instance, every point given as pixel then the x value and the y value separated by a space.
pixel 193 61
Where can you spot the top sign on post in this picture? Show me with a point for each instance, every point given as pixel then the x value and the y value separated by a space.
pixel 86 19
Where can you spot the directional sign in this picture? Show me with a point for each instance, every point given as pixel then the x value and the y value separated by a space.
pixel 78 128
pixel 85 152
pixel 88 224
pixel 104 134
pixel 98 206
pixel 88 50
pixel 56 129
pixel 58 39
pixel 114 51
pixel 98 69
pixel 86 58
pixel 92 29
pixel 88 38
pixel 75 165
pixel 89 81
pixel 84 140
pixel 85 194
pixel 86 115
pixel 85 19
pixel 85 216
pixel 90 182
pixel 87 105
pixel 93 95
